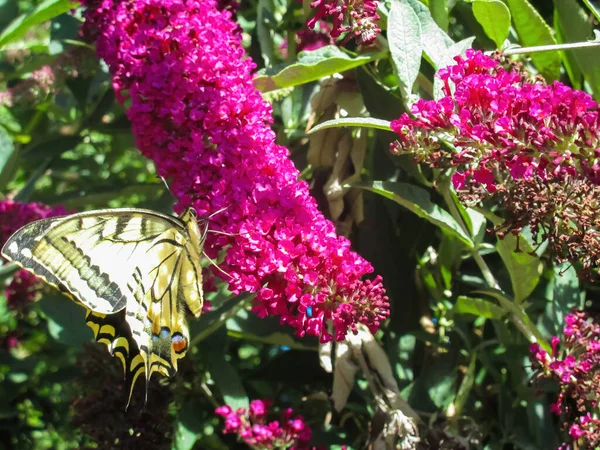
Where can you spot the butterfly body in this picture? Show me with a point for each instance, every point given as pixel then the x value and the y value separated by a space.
pixel 136 271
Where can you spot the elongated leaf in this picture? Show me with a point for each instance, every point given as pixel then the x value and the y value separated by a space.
pixel 419 202
pixel 45 11
pixel 524 269
pixel 534 31
pixel 595 9
pixel 249 327
pixel 311 66
pixel 404 37
pixel 447 60
pixel 575 27
pixel 366 122
pixel 265 18
pixel 494 17
pixel 437 42
pixel 229 383
pixel 478 307
pixel 519 317
pixel 563 294
pixel 214 320
pixel 8 158
pixel 25 193
pixel 439 12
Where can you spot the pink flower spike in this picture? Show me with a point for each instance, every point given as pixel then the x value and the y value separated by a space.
pixel 196 114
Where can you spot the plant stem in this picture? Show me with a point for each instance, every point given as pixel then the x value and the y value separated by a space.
pixel 444 189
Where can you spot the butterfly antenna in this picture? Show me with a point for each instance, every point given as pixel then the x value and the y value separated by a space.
pixel 215 264
pixel 166 184
pixel 219 211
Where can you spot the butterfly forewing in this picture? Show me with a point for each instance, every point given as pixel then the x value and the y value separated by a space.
pixel 137 260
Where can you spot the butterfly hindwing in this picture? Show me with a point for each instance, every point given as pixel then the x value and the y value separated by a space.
pixel 113 331
pixel 166 284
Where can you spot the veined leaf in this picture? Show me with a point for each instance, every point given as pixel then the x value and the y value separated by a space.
pixel 437 43
pixel 419 202
pixel 404 37
pixel 311 66
pixel 494 17
pixel 534 31
pixel 45 11
pixel 524 269
pixel 447 60
pixel 478 307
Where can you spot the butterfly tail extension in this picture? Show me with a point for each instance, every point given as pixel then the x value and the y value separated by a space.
pixel 112 331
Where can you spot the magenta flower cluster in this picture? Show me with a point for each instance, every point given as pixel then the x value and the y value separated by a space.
pixel 13 215
pixel 196 114
pixel 253 428
pixel 493 118
pixel 576 369
pixel 356 17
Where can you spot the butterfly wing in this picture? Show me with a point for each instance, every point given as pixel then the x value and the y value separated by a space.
pixel 89 255
pixel 113 331
pixel 136 271
pixel 166 284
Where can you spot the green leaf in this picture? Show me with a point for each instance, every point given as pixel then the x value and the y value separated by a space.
pixel 494 17
pixel 66 320
pixel 563 293
pixel 448 60
pixel 213 320
pixel 44 12
pixel 366 122
pixel 404 37
pixel 595 9
pixel 8 158
pixel 249 327
pixel 311 66
pixel 419 202
pixel 264 18
pixel 575 27
pixel 534 31
pixel 226 376
pixel 184 438
pixel 439 12
pixel 27 190
pixel 442 392
pixel 437 42
pixel 478 307
pixel 519 317
pixel 524 269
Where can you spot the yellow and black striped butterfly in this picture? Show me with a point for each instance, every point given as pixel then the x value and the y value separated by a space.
pixel 136 271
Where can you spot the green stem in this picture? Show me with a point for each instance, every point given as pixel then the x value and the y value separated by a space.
pixel 219 322
pixel 485 270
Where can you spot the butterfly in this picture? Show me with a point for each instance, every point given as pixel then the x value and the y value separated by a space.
pixel 136 271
